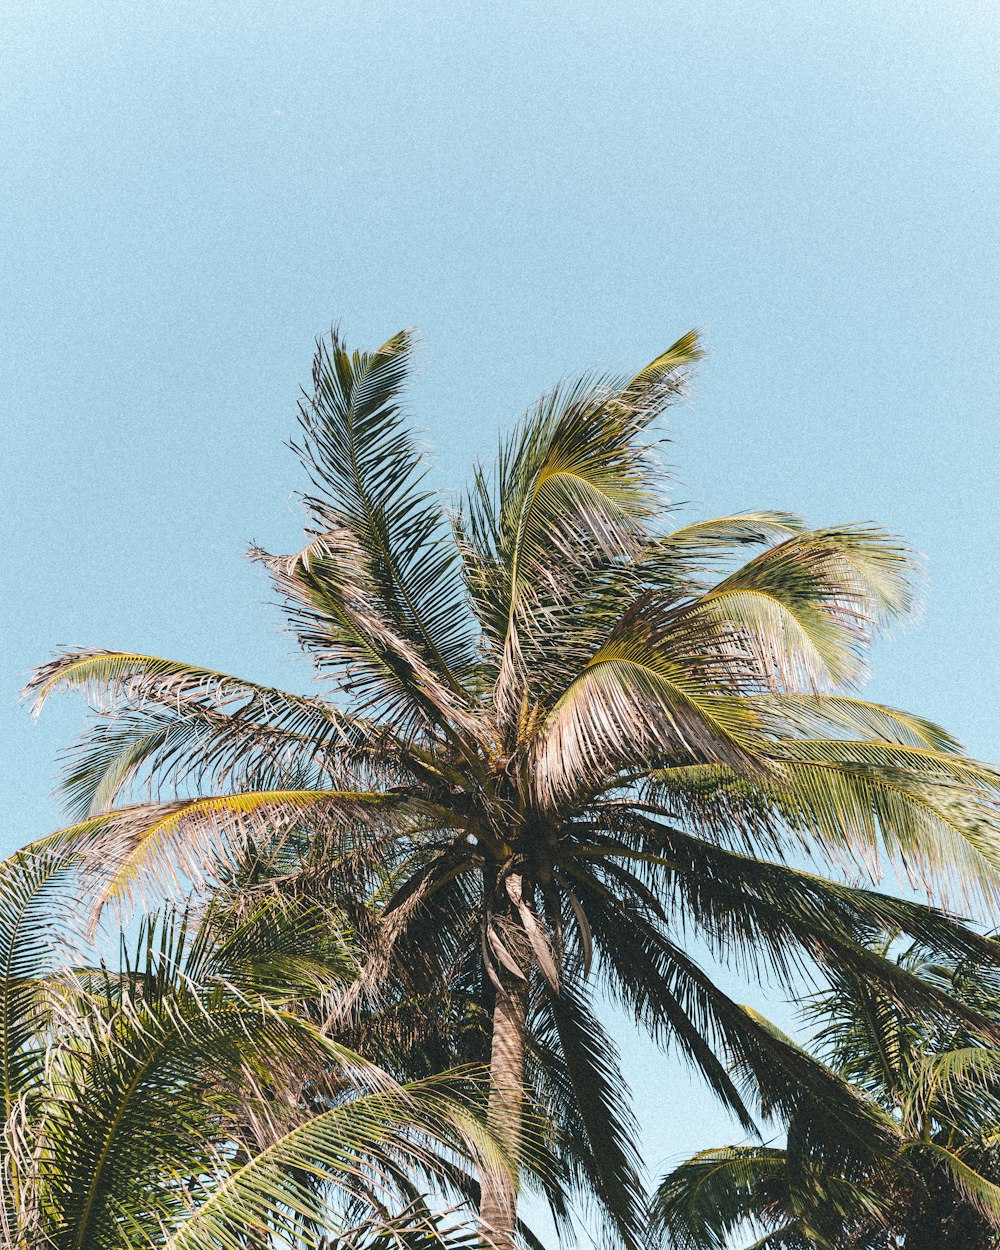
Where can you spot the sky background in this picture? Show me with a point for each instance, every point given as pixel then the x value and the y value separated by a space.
pixel 192 192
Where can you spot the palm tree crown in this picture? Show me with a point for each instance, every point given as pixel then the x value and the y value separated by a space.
pixel 558 733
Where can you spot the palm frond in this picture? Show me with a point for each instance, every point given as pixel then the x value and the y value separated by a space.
pixel 758 910
pixel 166 844
pixel 785 716
pixel 32 883
pixel 603 1106
pixel 358 1149
pixel 153 752
pixel 710 1196
pixel 165 716
pixel 810 606
pixel 932 813
pixel 368 480
pixel 799 617
pixel 979 1191
pixel 332 599
pixel 575 486
pixel 677 562
pixel 634 702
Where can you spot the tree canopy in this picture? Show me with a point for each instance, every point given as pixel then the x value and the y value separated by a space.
pixel 555 736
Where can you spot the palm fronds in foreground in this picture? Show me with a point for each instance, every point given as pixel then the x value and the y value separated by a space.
pixel 186 1100
pixel 555 734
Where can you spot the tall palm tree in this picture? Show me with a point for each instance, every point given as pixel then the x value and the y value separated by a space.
pixel 937 1184
pixel 185 1100
pixel 553 732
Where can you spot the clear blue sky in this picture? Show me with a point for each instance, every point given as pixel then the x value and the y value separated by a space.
pixel 191 192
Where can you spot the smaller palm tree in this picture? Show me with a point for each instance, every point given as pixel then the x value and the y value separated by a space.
pixel 186 1101
pixel 937 1088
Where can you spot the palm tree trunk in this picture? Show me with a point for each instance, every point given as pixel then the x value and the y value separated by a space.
pixel 498 1197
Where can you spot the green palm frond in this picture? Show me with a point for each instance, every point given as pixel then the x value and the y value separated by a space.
pixel 368 480
pixel 658 381
pixel 957 1086
pixel 142 1086
pixel 864 1034
pixel 937 1182
pixel 32 884
pixel 162 718
pixel 575 486
pixel 831 716
pixel 980 1192
pixel 644 969
pixel 714 1193
pixel 605 1117
pixel 679 562
pixel 669 680
pixel 163 845
pixel 805 611
pixel 861 574
pixel 770 915
pixel 933 813
pixel 354 1150
pixel 281 949
pixel 183 1079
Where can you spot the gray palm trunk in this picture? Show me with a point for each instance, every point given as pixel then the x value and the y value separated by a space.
pixel 499 1186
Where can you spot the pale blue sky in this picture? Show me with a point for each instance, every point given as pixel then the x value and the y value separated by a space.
pixel 192 191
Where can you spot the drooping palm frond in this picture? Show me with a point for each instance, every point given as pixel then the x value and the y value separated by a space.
pixel 938 1082
pixel 832 587
pixel 801 615
pixel 677 563
pixel 644 969
pixel 720 1192
pixel 170 845
pixel 752 909
pixel 161 719
pixel 833 716
pixel 932 813
pixel 611 1164
pixel 717 1192
pixel 356 1150
pixel 114 678
pixel 634 699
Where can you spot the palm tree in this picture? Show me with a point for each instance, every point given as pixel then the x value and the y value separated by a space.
pixel 553 732
pixel 185 1100
pixel 937 1088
